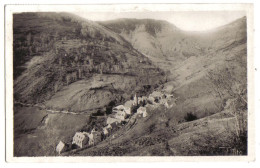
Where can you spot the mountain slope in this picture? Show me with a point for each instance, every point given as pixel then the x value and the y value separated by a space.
pixel 161 41
pixel 54 50
pixel 189 57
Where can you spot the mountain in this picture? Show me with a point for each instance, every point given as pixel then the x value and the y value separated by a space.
pixel 160 41
pixel 188 57
pixel 78 67
pixel 68 63
pixel 216 65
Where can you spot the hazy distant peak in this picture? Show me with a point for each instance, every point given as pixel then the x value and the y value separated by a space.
pixel 128 25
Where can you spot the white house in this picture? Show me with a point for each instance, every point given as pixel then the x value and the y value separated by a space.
pixel 80 139
pixel 140 100
pixel 128 110
pixel 151 99
pixel 122 108
pixel 142 111
pixel 129 103
pixel 118 108
pixel 111 120
pixel 91 139
pixel 60 147
pixel 156 94
pixel 121 115
pixel 108 127
pixel 168 96
pixel 105 131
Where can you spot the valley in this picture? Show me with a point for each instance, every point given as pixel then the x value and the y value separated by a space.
pixel 72 72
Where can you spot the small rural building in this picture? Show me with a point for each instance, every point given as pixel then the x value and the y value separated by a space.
pixel 108 127
pixel 129 103
pixel 61 147
pixel 169 104
pixel 80 139
pixel 169 96
pixel 97 137
pixel 111 120
pixel 105 131
pixel 151 100
pixel 121 115
pixel 142 111
pixel 128 107
pixel 156 94
pixel 118 108
pixel 150 106
pixel 140 100
pixel 94 137
pixel 91 139
pixel 135 102
pixel 128 110
pixel 122 108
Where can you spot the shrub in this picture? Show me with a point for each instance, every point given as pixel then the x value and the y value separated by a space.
pixel 190 117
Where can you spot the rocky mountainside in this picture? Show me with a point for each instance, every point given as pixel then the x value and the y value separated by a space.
pixel 70 63
pixel 161 41
pixel 188 57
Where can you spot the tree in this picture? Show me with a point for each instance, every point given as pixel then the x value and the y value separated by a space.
pixel 190 117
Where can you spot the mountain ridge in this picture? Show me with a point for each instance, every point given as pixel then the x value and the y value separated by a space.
pixel 75 50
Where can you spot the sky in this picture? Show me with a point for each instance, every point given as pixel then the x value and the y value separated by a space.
pixel 189 21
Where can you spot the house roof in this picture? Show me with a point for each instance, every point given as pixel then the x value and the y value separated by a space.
pixel 60 146
pixel 112 120
pixel 119 107
pixel 156 94
pixel 80 134
pixel 141 109
pixel 129 103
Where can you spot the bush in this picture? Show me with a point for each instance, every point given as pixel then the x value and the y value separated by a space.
pixel 190 117
pixel 135 108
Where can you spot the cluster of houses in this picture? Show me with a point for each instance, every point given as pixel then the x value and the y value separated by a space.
pixel 121 114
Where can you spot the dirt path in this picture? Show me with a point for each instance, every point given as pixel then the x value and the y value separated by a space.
pixel 52 111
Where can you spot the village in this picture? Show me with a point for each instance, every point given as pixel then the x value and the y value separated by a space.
pixel 121 115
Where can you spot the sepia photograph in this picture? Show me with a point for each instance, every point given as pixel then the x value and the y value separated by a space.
pixel 128 80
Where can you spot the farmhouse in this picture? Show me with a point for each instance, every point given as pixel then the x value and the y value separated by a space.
pixel 91 139
pixel 150 100
pixel 122 108
pixel 156 95
pixel 142 111
pixel 61 147
pixel 105 131
pixel 97 137
pixel 108 127
pixel 128 110
pixel 128 107
pixel 140 100
pixel 129 103
pixel 121 115
pixel 118 108
pixel 168 96
pixel 111 120
pixel 80 139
